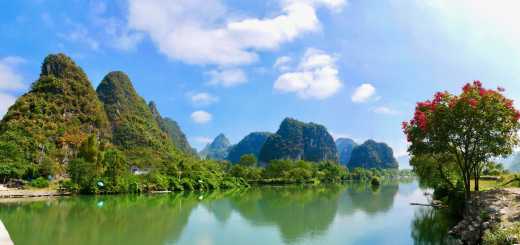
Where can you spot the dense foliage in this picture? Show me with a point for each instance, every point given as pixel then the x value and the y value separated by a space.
pixel 135 130
pixel 45 127
pixel 463 132
pixel 299 141
pixel 218 149
pixel 251 144
pixel 372 155
pixel 345 146
pixel 172 129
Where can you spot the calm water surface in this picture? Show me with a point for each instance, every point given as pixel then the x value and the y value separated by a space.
pixel 347 214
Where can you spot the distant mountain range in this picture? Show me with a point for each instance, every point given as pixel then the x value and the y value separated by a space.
pixel 303 141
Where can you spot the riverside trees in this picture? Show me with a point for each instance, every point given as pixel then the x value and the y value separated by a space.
pixel 462 131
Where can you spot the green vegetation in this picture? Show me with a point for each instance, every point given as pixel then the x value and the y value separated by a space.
pixel 43 130
pixel 506 236
pixel 299 141
pixel 172 129
pixel 251 144
pixel 135 131
pixel 372 155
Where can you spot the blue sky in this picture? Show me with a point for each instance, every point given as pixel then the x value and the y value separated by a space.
pixel 355 66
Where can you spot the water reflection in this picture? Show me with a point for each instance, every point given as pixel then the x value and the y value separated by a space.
pixel 430 227
pixel 348 214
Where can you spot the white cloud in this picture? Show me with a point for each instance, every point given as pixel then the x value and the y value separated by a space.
pixel 6 101
pixel 206 32
pixel 363 93
pixel 227 77
pixel 201 117
pixel 10 79
pixel 282 63
pixel 315 77
pixel 385 110
pixel 203 99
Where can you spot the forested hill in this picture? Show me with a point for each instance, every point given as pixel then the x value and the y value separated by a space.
pixel 372 154
pixel 251 144
pixel 298 140
pixel 46 125
pixel 172 129
pixel 134 129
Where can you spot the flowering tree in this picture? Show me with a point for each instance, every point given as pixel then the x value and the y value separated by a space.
pixel 473 127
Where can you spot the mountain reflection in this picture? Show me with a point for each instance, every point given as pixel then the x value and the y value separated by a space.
pixel 296 214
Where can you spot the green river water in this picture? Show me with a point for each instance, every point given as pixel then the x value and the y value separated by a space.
pixel 353 213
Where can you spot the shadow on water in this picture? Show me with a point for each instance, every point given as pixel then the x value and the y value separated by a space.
pixel 299 214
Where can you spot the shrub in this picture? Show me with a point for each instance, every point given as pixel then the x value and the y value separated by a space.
pixel 40 182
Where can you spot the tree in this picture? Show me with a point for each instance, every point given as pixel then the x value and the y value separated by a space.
pixel 115 164
pixel 248 160
pixel 83 173
pixel 473 127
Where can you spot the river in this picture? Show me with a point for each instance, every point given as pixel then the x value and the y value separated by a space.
pixel 353 213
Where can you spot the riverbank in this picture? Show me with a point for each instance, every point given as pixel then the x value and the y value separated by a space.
pixel 492 216
pixel 9 193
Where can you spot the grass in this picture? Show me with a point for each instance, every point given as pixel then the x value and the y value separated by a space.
pixel 503 181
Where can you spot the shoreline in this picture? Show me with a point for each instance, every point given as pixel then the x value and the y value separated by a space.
pixel 488 211
pixel 30 193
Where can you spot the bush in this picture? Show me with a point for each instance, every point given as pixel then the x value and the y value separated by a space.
pixel 506 236
pixel 68 185
pixel 40 182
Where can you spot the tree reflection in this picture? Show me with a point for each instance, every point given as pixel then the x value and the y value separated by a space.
pixel 99 220
pixel 430 226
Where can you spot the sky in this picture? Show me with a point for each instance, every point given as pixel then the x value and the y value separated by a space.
pixel 228 66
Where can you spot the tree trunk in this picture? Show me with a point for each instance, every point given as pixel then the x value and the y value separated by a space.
pixel 476 181
pixel 467 187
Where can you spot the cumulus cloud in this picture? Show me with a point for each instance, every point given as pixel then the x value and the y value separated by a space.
pixel 203 99
pixel 315 77
pixel 201 117
pixel 227 77
pixel 207 32
pixel 385 110
pixel 363 93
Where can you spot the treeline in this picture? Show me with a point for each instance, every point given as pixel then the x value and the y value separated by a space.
pixel 106 171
